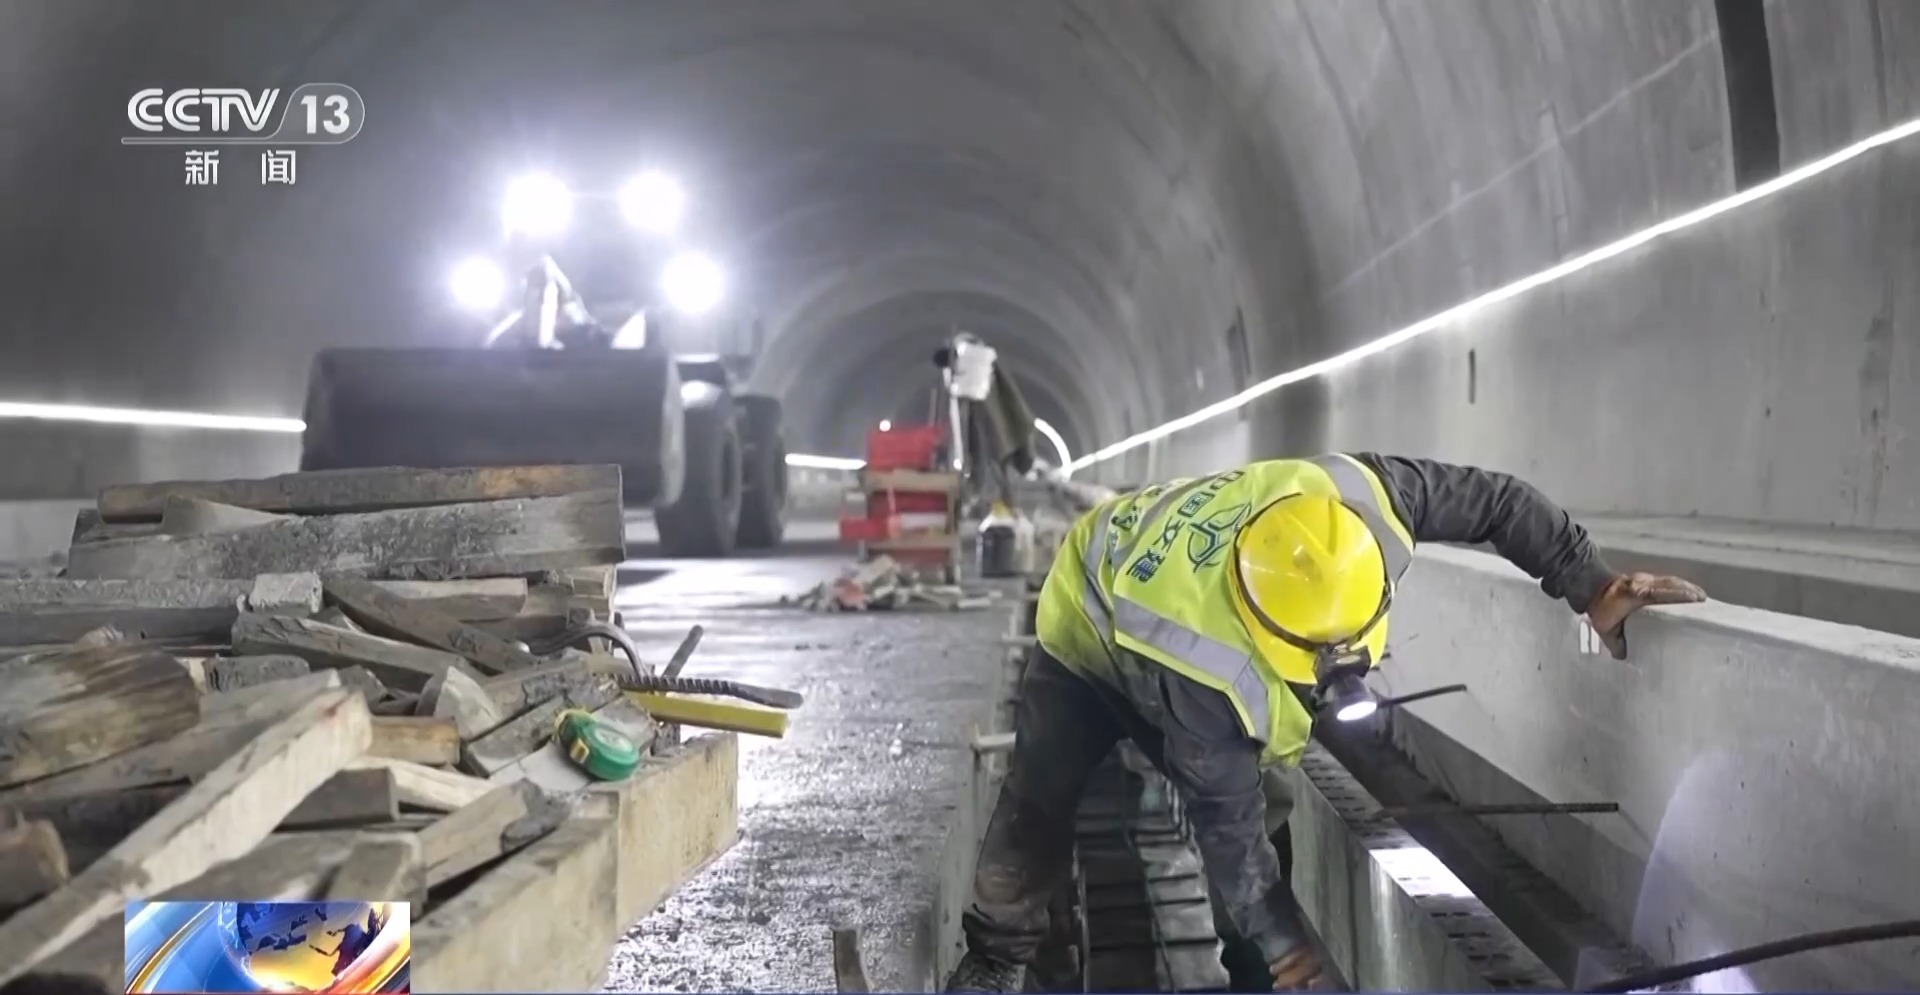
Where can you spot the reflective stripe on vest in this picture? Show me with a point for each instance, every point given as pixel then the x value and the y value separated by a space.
pixel 1203 652
pixel 1357 494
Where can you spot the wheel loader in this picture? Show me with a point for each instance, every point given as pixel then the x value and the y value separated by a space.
pixel 648 377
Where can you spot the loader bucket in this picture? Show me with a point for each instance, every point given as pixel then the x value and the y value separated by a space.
pixel 440 408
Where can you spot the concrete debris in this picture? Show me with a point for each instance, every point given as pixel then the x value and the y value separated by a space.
pixel 882 584
pixel 297 667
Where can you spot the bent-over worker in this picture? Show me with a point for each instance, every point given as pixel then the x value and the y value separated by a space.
pixel 1208 620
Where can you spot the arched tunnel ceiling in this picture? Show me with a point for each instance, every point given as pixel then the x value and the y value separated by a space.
pixel 1119 181
pixel 844 157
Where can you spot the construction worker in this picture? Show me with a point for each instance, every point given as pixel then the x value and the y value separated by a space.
pixel 1209 620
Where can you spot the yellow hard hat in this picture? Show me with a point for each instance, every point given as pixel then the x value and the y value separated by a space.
pixel 1310 578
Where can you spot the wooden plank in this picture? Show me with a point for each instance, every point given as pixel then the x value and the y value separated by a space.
pixel 190 516
pixel 488 755
pixel 87 527
pixel 699 785
pixel 295 594
pixel 222 817
pixel 542 920
pixel 430 788
pixel 336 618
pixel 71 709
pixel 288 867
pixel 454 695
pixel 383 867
pixel 90 825
pixel 352 797
pixel 500 822
pixel 362 680
pixel 518 691
pixel 499 538
pixel 543 615
pixel 334 492
pixel 58 610
pixel 912 481
pixel 227 722
pixel 390 615
pixel 416 738
pixel 33 863
pixel 397 664
pixel 479 600
pixel 231 673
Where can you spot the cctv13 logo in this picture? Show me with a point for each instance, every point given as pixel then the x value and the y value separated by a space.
pixel 313 114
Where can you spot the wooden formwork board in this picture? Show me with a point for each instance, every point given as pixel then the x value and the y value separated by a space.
pixel 548 918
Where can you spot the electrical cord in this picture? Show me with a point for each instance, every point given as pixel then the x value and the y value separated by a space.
pixel 1765 951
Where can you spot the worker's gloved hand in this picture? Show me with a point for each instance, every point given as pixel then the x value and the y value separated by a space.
pixel 1297 970
pixel 1628 593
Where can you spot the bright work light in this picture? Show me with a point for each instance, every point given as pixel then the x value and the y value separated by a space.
pixel 653 202
pixel 692 282
pixel 478 285
pixel 538 205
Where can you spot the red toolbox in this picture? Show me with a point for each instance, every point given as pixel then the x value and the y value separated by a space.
pixel 883 504
pixel 872 529
pixel 910 447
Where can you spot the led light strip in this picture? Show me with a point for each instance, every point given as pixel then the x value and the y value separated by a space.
pixel 153 418
pixel 148 418
pixel 1511 290
pixel 252 423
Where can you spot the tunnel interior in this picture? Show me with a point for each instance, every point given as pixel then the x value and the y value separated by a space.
pixel 1145 205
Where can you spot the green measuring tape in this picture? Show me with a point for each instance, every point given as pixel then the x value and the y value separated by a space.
pixel 595 747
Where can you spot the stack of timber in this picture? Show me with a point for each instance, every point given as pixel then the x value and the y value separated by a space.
pixel 320 686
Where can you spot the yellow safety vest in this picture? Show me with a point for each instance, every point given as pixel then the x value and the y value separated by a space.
pixel 1148 572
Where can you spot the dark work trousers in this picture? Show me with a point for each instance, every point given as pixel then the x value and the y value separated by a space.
pixel 1064 726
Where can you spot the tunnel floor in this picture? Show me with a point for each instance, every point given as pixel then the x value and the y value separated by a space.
pixel 842 821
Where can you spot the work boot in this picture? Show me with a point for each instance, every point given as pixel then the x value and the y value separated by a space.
pixel 980 973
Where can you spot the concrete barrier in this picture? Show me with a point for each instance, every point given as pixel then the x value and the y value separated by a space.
pixel 1767 766
pixel 1850 576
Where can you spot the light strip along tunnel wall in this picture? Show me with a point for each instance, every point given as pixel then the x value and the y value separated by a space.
pixel 1147 205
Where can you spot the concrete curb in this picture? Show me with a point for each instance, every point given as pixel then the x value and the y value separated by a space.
pixel 1392 916
pixel 1764 764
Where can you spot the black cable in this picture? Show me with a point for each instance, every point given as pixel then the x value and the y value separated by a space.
pixel 1408 699
pixel 770 697
pixel 1765 951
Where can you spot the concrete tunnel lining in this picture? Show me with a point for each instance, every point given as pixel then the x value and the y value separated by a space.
pixel 1327 171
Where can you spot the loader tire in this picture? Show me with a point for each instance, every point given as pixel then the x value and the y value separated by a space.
pixel 763 446
pixel 705 521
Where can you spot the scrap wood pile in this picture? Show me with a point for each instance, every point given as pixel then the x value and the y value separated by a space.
pixel 881 584
pixel 350 685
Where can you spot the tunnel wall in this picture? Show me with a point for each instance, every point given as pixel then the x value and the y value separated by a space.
pixel 1770 346
pixel 1129 182
pixel 1763 764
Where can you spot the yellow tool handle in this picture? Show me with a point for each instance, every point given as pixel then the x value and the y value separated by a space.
pixel 709 713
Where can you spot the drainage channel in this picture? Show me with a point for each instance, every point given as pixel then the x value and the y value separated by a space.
pixel 1390 902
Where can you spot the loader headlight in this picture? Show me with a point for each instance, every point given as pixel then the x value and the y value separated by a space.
pixel 653 202
pixel 692 283
pixel 478 285
pixel 539 205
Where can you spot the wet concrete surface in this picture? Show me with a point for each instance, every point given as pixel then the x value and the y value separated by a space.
pixel 843 820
